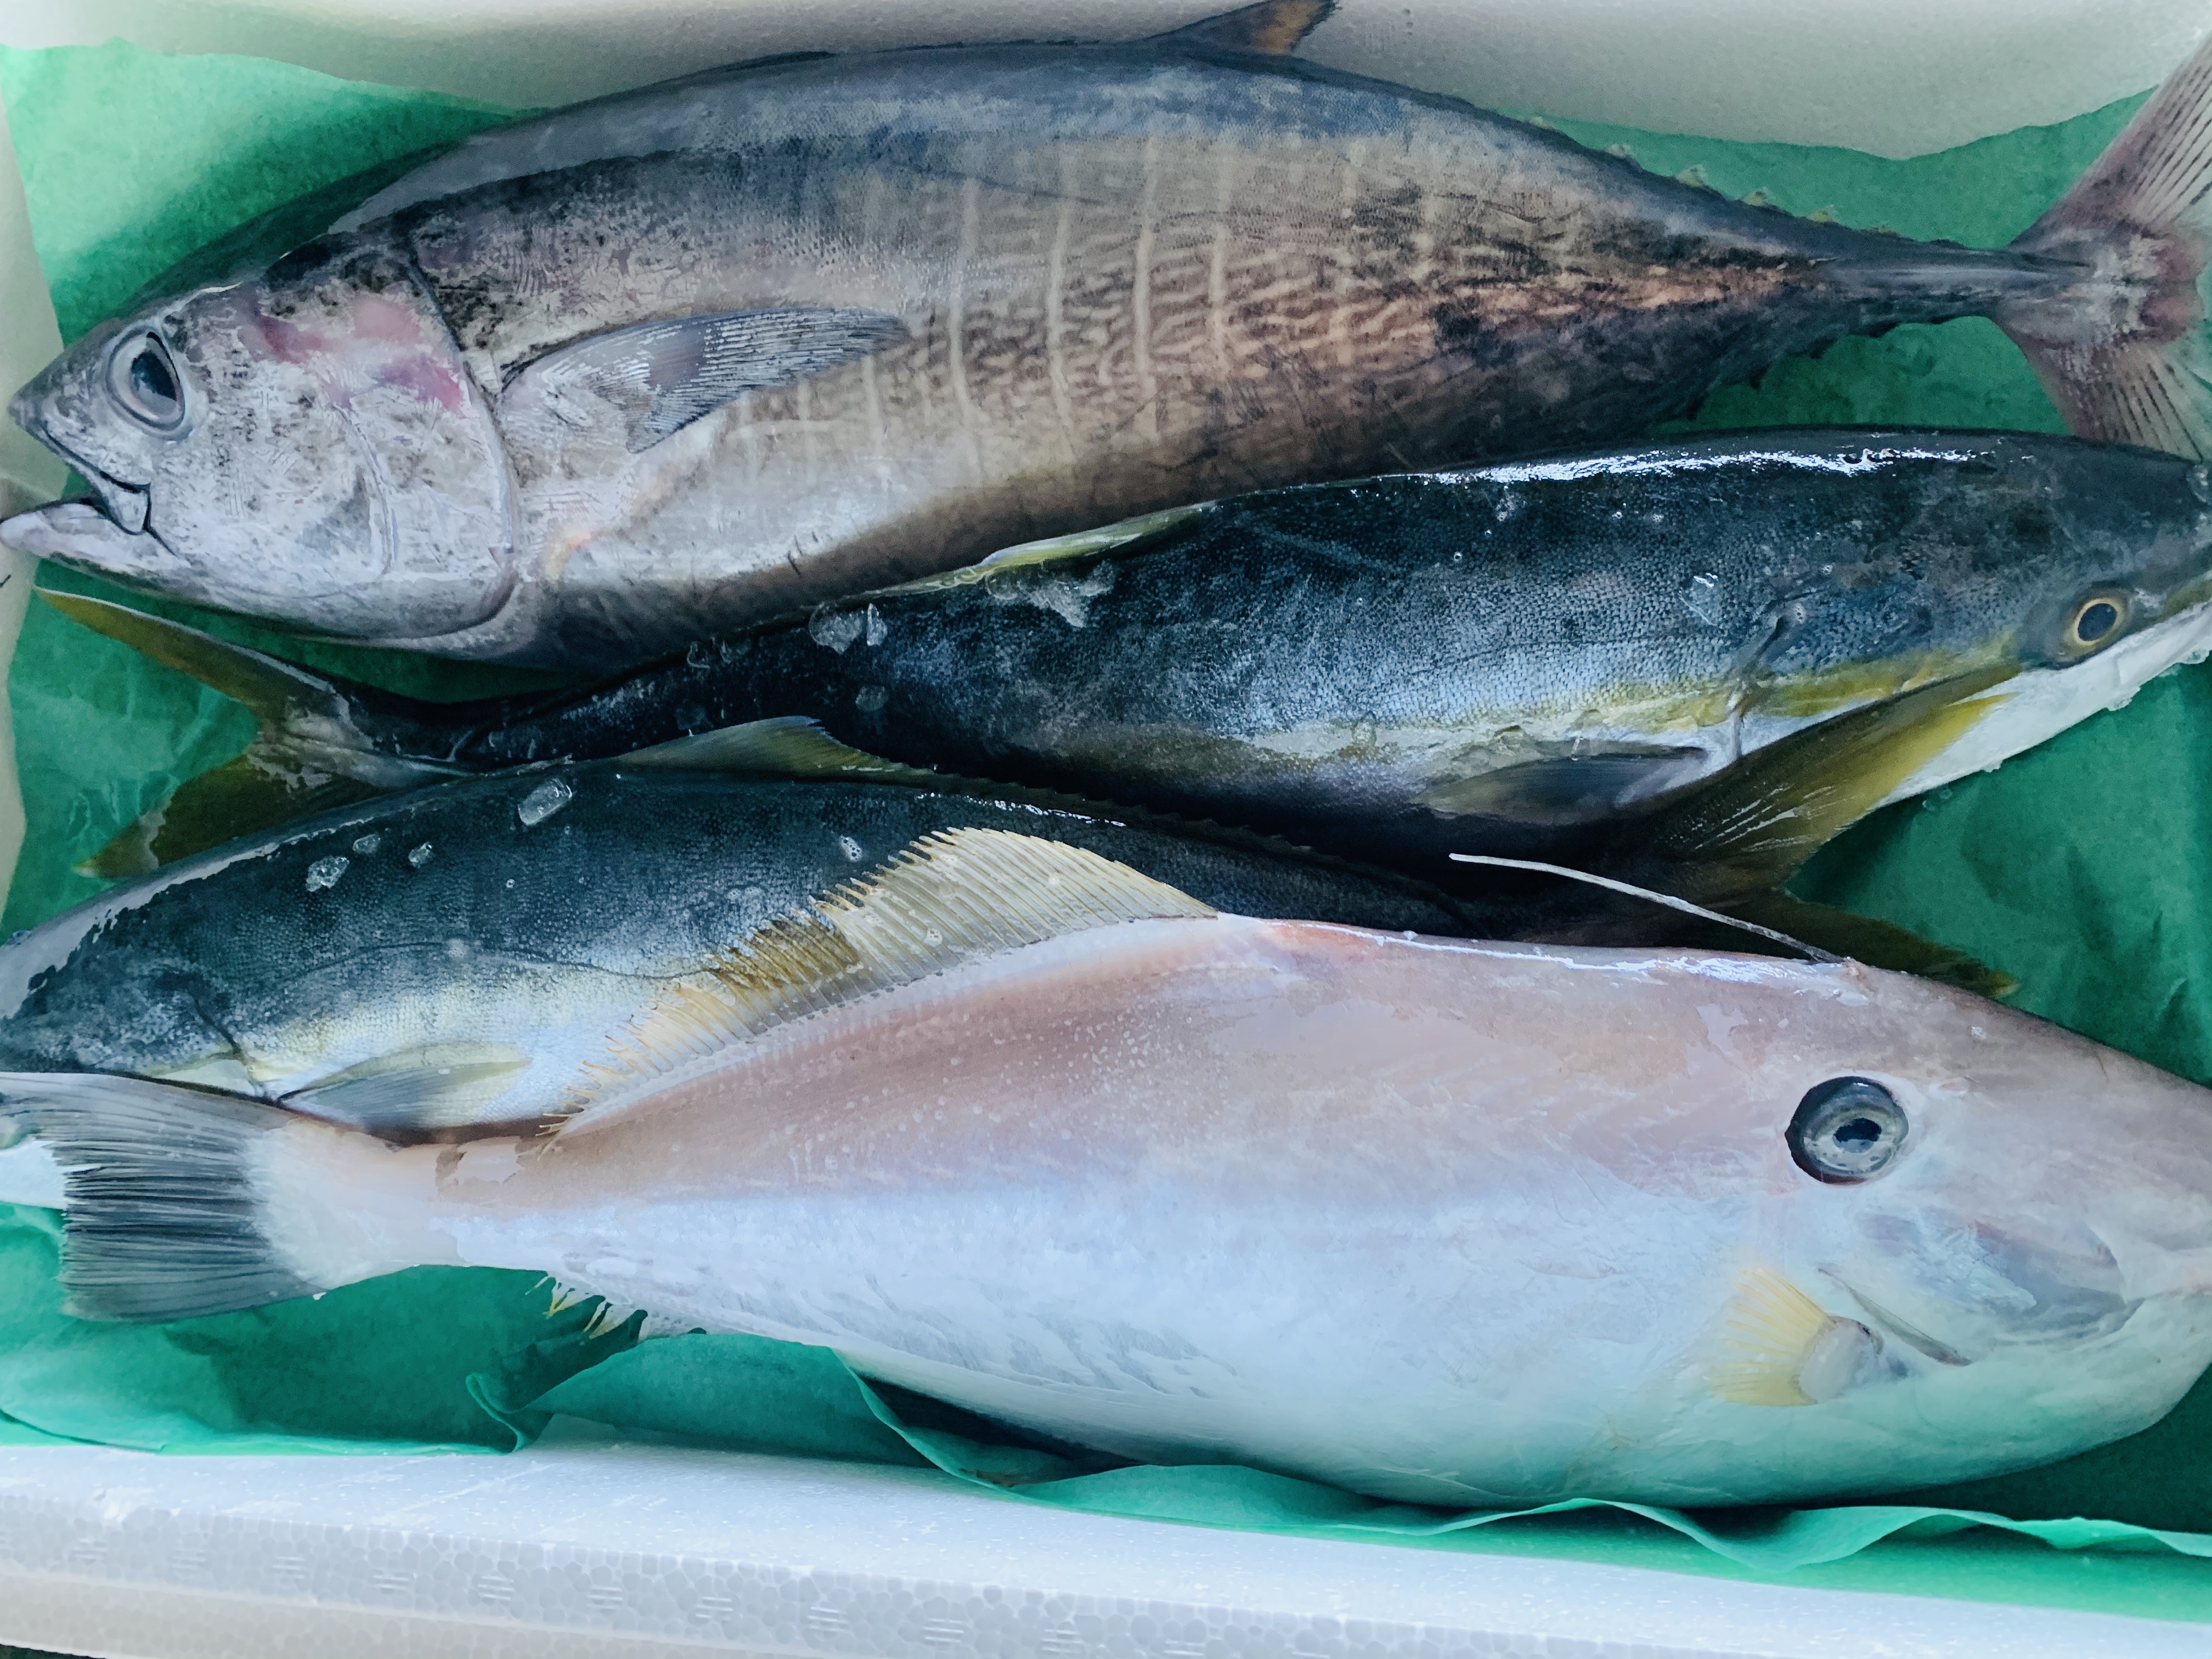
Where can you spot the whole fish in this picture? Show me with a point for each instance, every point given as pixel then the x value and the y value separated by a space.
pixel 590 387
pixel 448 958
pixel 1689 663
pixel 1455 1223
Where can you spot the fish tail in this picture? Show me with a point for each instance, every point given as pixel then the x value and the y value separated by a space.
pixel 2122 350
pixel 167 1216
pixel 318 748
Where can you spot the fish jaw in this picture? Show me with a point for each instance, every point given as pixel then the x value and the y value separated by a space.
pixel 2038 703
pixel 79 535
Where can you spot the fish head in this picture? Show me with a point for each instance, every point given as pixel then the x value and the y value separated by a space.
pixel 1979 1213
pixel 2100 580
pixel 302 444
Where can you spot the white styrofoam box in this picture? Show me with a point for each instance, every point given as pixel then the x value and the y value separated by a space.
pixel 587 1549
pixel 583 1547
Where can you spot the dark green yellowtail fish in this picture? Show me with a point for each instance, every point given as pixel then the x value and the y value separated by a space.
pixel 451 957
pixel 1687 663
pixel 589 387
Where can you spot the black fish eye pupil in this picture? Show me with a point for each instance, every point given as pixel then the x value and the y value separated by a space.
pixel 2096 621
pixel 1846 1130
pixel 151 377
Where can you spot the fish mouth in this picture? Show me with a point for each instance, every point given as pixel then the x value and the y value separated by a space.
pixel 125 504
pixel 84 536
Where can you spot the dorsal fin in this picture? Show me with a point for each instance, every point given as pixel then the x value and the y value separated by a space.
pixel 949 898
pixel 781 746
pixel 1274 27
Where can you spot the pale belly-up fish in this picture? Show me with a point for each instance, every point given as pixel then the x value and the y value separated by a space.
pixel 1464 1224
pixel 1688 663
pixel 593 385
pixel 449 958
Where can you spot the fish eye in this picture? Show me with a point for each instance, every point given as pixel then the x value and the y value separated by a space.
pixel 143 379
pixel 2096 620
pixel 1847 1130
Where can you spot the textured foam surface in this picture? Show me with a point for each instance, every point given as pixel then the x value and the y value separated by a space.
pixel 581 1548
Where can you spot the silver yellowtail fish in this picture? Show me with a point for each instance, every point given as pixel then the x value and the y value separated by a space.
pixel 1465 1223
pixel 1689 663
pixel 588 387
pixel 448 958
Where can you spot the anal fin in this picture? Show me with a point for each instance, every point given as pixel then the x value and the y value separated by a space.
pixel 308 756
pixel 1877 944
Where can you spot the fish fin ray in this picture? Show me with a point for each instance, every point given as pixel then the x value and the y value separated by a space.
pixel 1752 827
pixel 1274 27
pixel 438 1086
pixel 2122 353
pixel 1653 895
pixel 950 897
pixel 784 746
pixel 662 376
pixel 309 756
pixel 275 691
pixel 1053 550
pixel 1864 938
pixel 164 1217
pixel 1762 1341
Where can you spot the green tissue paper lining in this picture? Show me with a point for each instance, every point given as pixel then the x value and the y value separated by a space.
pixel 2061 868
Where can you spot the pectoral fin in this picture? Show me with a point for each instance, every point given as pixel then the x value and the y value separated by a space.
pixel 1774 1346
pixel 662 376
pixel 1560 790
pixel 444 1085
pixel 1274 26
pixel 1753 825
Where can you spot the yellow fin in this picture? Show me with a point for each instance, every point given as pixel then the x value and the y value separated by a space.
pixel 948 898
pixel 1754 825
pixel 1274 27
pixel 1776 1347
pixel 1027 555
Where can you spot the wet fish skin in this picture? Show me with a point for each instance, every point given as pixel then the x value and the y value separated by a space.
pixel 1455 1222
pixel 1534 658
pixel 508 924
pixel 590 387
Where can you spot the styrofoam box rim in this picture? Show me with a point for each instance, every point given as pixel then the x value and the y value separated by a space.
pixel 585 1545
